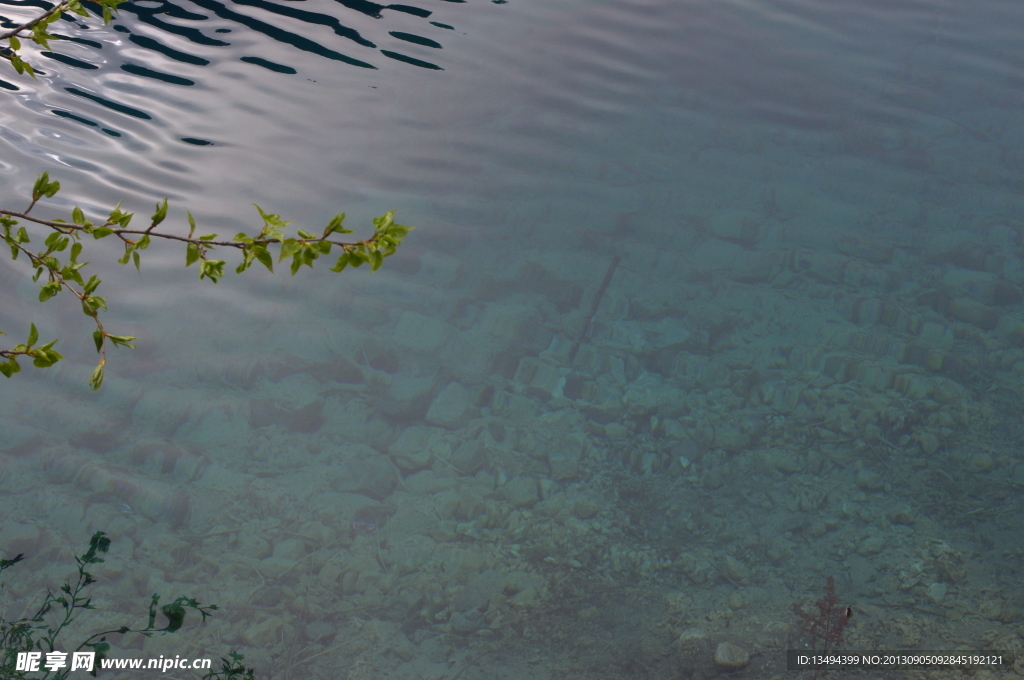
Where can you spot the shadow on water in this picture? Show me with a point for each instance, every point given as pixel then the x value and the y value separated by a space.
pixel 181 23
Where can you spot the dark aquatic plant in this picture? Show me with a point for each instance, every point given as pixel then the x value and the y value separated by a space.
pixel 58 274
pixel 825 623
pixel 39 632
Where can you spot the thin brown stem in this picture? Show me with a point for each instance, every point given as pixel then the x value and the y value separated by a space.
pixel 29 24
pixel 173 237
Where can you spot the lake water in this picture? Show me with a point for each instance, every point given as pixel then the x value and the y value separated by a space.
pixel 707 302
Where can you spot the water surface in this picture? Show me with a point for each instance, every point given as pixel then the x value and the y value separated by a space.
pixel 707 301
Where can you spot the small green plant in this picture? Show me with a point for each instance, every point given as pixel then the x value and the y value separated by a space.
pixel 39 632
pixel 58 263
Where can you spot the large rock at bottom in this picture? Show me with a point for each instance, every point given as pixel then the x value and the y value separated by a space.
pixel 730 657
pixel 372 476
pixel 449 406
pixel 521 491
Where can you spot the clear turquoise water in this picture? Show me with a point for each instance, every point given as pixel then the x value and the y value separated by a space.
pixel 815 210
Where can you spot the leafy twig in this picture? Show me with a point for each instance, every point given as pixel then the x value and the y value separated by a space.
pixel 303 249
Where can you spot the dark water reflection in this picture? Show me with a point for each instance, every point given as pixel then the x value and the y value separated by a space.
pixel 183 32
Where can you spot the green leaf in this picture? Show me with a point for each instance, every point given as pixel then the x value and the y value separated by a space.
pixel 376 260
pixel 78 217
pixel 39 34
pixel 122 340
pixel 305 234
pixel 288 248
pixel 97 337
pixel 76 7
pixel 384 221
pixel 97 375
pixel 212 269
pixel 175 614
pixel 271 220
pixel 135 257
pixel 76 250
pixel 399 231
pixel 208 237
pixel 10 367
pixel 143 242
pixel 191 224
pixel 45 358
pixel 40 186
pixel 247 257
pixel 48 291
pixel 263 255
pixel 33 335
pixel 101 232
pixel 161 208
pixel 335 226
pixel 95 302
pixel 343 261
pixel 15 43
pixel 91 285
pixel 191 254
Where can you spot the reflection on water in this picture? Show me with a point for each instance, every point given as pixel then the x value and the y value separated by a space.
pixel 708 302
pixel 171 30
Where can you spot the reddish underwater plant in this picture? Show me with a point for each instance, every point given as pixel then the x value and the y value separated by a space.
pixel 826 622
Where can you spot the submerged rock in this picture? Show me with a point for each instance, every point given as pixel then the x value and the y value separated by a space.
pixel 730 657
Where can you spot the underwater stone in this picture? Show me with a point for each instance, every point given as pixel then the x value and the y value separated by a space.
pixel 564 457
pixel 730 657
pixel 373 476
pixel 415 331
pixel 584 508
pixel 252 545
pixel 265 633
pixel 515 323
pixel 512 406
pixel 973 312
pixel 427 482
pixel 290 549
pixel 406 395
pixel 476 594
pixel 413 449
pixel 869 480
pixel 929 442
pixel 468 457
pixel 936 592
pixel 19 439
pixel 161 412
pixel 275 567
pixel 935 336
pixel 449 406
pixel 735 226
pixel 466 624
pixel 521 491
pixel 307 418
pixel 18 537
pixel 616 431
pixel 872 545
